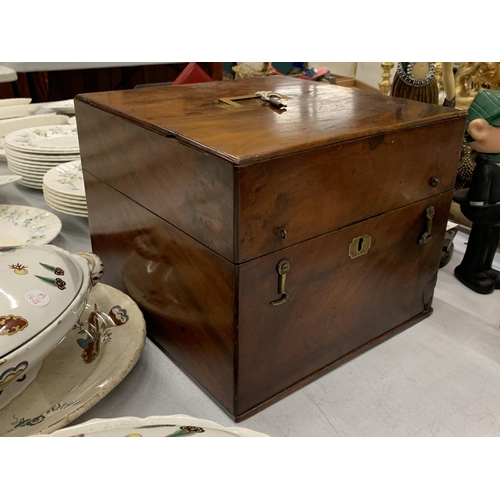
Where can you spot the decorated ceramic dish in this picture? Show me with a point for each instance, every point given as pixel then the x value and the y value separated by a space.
pixel 168 426
pixel 7 179
pixel 55 139
pixel 66 178
pixel 43 292
pixel 93 360
pixel 23 225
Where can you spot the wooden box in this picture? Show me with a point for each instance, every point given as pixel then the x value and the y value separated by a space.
pixel 197 204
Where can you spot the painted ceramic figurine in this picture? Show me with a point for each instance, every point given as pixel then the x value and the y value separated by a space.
pixel 480 203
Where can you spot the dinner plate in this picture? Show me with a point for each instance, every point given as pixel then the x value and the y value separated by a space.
pixel 62 205
pixel 3 156
pixel 64 210
pixel 13 124
pixel 23 225
pixel 18 110
pixel 30 184
pixel 79 372
pixel 64 198
pixel 30 175
pixel 155 426
pixel 39 159
pixel 66 107
pixel 49 139
pixel 16 101
pixel 7 179
pixel 66 178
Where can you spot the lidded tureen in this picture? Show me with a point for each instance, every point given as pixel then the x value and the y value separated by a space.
pixel 43 292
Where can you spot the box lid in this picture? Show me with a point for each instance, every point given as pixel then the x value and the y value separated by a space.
pixel 247 130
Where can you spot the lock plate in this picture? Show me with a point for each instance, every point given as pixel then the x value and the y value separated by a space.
pixel 360 246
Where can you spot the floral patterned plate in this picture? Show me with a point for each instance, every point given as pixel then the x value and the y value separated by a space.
pixel 7 179
pixel 45 139
pixel 81 370
pixel 168 426
pixel 23 225
pixel 66 178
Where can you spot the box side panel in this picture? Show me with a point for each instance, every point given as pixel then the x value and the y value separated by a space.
pixel 291 199
pixel 337 303
pixel 185 290
pixel 188 188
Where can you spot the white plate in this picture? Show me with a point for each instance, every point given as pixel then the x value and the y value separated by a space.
pixel 168 426
pixel 64 198
pixel 22 225
pixel 66 178
pixel 13 124
pixel 30 184
pixel 26 174
pixel 64 210
pixel 65 107
pixel 15 101
pixel 3 156
pixel 39 159
pixel 17 111
pixel 62 205
pixel 7 179
pixel 78 373
pixel 51 139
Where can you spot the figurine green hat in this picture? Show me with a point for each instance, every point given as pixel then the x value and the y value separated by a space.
pixel 486 105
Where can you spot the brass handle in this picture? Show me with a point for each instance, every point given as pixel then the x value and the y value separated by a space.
pixel 429 214
pixel 282 268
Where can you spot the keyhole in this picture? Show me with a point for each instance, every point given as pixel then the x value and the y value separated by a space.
pixel 360 244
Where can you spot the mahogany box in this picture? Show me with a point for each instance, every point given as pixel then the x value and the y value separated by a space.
pixel 266 246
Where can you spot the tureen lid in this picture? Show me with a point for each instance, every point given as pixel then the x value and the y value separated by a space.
pixel 37 284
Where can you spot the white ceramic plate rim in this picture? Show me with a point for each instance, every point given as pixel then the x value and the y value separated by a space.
pixel 11 140
pixel 14 101
pixel 50 220
pixel 63 210
pixel 54 174
pixel 65 206
pixel 7 179
pixel 97 425
pixel 18 111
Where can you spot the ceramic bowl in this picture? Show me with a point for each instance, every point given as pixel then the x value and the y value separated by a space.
pixel 43 292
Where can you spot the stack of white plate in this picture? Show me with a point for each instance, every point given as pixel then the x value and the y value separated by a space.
pixel 64 190
pixel 32 152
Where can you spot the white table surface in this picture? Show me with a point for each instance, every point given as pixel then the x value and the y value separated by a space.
pixel 439 378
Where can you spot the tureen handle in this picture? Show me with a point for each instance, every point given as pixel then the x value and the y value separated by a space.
pixel 95 265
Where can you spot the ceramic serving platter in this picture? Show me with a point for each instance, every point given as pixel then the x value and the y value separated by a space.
pixel 52 139
pixel 18 110
pixel 66 178
pixel 161 426
pixel 16 101
pixel 80 371
pixel 13 124
pixel 23 225
pixel 66 107
pixel 7 179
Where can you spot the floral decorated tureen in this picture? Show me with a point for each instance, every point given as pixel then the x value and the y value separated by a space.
pixel 43 292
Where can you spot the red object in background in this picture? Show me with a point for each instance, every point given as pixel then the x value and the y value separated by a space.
pixel 192 73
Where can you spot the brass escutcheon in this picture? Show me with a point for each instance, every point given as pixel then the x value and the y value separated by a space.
pixel 360 245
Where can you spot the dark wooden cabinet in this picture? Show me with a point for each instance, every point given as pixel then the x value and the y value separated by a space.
pixel 267 246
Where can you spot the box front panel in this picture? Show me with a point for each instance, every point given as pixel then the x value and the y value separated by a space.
pixel 190 189
pixel 185 290
pixel 291 199
pixel 339 300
